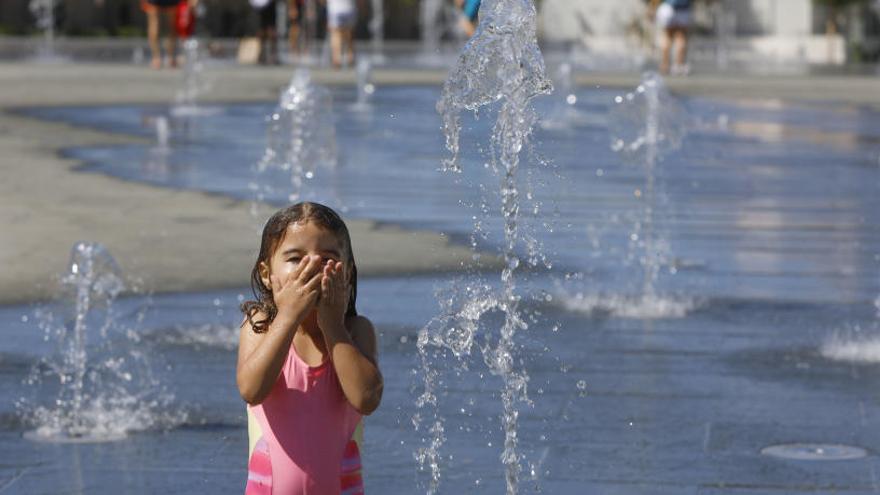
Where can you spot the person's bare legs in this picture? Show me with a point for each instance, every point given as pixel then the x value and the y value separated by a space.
pixel 665 47
pixel 468 27
pixel 153 38
pixel 171 41
pixel 272 58
pixel 348 44
pixel 681 40
pixel 293 31
pixel 293 37
pixel 336 47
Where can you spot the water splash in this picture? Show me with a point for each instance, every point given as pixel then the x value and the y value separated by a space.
pixel 500 64
pixel 210 336
pixel 853 345
pixel 645 125
pixel 301 135
pixel 102 394
pixel 643 307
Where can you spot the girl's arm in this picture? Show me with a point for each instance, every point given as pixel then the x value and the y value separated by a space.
pixel 354 354
pixel 261 356
pixel 351 342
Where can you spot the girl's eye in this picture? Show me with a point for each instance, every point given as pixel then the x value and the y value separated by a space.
pixel 295 259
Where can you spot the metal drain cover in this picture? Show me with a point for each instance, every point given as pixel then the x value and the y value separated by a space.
pixel 815 452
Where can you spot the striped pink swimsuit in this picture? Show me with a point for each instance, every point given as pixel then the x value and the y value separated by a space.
pixel 305 437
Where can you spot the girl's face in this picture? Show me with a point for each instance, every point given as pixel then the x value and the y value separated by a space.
pixel 300 240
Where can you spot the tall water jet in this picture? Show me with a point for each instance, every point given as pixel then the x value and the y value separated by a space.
pixel 645 125
pixel 301 136
pixel 500 64
pixel 102 393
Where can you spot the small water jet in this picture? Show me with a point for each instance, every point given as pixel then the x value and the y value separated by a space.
pixel 44 13
pixel 365 86
pixel 500 64
pixel 377 31
pixel 645 125
pixel 430 14
pixel 163 133
pixel 725 30
pixel 102 394
pixel 563 115
pixel 157 157
pixel 193 83
pixel 301 136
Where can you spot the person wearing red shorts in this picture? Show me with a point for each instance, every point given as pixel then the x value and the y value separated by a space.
pixel 154 10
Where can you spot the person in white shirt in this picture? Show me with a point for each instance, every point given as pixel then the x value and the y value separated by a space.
pixel 341 19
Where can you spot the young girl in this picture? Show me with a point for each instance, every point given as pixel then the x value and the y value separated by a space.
pixel 306 361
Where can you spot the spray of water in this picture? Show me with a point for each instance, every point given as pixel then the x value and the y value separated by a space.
pixel 102 393
pixel 645 125
pixel 301 137
pixel 501 64
pixel 193 82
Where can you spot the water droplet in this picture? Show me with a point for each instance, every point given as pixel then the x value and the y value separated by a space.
pixel 571 99
pixel 24 318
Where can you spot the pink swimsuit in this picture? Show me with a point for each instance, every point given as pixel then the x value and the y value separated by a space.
pixel 304 438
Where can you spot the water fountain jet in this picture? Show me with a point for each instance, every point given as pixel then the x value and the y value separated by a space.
pixel 102 394
pixel 500 64
pixel 301 138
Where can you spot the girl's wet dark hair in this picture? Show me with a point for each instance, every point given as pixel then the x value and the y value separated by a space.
pixel 273 232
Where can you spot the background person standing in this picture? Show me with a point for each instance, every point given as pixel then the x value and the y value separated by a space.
pixel 341 18
pixel 674 19
pixel 154 10
pixel 267 11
